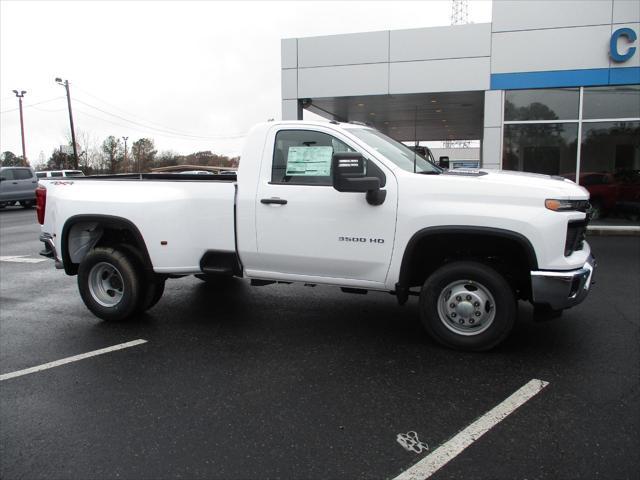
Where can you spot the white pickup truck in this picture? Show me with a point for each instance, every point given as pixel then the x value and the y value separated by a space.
pixel 336 204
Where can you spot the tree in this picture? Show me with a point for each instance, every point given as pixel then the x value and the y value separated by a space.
pixel 211 159
pixel 166 158
pixel 59 160
pixel 111 147
pixel 10 159
pixel 143 152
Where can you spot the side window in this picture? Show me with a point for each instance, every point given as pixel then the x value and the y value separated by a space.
pixel 41 174
pixel 22 174
pixel 7 174
pixel 56 174
pixel 304 157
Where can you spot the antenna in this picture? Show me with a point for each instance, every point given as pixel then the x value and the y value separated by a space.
pixel 459 12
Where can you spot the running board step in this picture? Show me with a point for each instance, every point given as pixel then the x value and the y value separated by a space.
pixel 220 262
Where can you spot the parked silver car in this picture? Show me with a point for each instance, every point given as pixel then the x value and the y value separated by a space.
pixel 18 184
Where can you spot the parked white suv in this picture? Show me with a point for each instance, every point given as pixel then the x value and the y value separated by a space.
pixel 17 184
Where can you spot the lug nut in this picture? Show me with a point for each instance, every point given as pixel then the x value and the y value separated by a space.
pixel 471 321
pixel 468 297
pixel 459 298
pixel 461 321
pixel 476 304
pixel 478 314
pixel 452 305
pixel 453 315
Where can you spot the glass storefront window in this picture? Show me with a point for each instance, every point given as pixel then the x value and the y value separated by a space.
pixel 610 170
pixel 548 148
pixel 611 102
pixel 544 104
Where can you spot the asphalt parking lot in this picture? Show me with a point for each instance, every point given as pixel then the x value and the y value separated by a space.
pixel 299 382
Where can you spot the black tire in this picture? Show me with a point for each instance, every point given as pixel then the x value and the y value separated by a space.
pixel 27 204
pixel 482 302
pixel 152 295
pixel 152 285
pixel 125 283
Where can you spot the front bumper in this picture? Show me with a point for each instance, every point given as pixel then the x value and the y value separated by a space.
pixel 50 249
pixel 562 289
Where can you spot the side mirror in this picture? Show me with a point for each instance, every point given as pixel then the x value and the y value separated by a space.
pixel 348 171
pixel 443 162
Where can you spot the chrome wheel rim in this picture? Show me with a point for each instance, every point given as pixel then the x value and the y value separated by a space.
pixel 106 284
pixel 466 307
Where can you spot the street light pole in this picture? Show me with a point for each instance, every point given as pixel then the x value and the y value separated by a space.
pixel 65 84
pixel 125 151
pixel 20 94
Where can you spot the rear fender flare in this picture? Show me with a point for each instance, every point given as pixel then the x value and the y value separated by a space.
pixel 95 226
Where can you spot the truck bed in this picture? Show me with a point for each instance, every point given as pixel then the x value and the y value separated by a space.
pixel 156 176
pixel 180 217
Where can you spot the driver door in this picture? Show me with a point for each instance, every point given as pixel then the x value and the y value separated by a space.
pixel 306 228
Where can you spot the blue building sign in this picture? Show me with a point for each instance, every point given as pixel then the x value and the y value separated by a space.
pixel 619 34
pixel 622 47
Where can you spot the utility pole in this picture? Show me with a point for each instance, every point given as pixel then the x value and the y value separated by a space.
pixel 125 150
pixel 20 94
pixel 65 84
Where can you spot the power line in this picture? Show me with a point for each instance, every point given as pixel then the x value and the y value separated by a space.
pixel 162 127
pixel 170 132
pixel 32 105
pixel 129 113
pixel 48 110
pixel 119 124
pixel 143 129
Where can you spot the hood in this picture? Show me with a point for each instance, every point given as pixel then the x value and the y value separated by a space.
pixel 547 185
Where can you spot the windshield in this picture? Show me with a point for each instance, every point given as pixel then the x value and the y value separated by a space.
pixel 395 151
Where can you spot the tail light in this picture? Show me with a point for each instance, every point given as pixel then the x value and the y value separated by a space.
pixel 41 203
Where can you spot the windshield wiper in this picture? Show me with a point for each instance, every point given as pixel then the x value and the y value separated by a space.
pixel 429 172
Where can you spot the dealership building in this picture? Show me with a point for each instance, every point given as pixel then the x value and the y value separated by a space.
pixel 548 86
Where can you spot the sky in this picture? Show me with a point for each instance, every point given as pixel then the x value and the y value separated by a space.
pixel 192 76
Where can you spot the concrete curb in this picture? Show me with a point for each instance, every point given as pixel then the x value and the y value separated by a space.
pixel 611 230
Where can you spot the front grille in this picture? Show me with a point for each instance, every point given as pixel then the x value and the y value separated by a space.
pixel 576 232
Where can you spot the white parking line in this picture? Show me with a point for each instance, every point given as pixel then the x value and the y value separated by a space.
pixel 450 449
pixel 21 259
pixel 75 358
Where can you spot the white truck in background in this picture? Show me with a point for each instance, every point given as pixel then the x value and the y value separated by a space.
pixel 336 204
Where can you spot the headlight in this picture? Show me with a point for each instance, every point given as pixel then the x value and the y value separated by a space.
pixel 566 205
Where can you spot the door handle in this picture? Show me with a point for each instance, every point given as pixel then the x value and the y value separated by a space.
pixel 274 200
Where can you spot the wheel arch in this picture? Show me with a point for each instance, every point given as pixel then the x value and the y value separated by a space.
pixel 109 226
pixel 422 243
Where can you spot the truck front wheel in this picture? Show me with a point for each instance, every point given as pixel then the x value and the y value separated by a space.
pixel 467 305
pixel 109 284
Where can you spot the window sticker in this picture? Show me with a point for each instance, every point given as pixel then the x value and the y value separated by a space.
pixel 309 161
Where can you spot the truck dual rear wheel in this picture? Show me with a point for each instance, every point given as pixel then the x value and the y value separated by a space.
pixel 153 293
pixel 467 305
pixel 152 284
pixel 110 284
